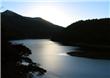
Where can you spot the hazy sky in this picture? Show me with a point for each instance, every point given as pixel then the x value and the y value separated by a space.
pixel 60 12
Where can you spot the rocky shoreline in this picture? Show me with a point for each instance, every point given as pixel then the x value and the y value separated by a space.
pixel 91 53
pixel 17 64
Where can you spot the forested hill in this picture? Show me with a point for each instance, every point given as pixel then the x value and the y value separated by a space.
pixel 20 27
pixel 91 32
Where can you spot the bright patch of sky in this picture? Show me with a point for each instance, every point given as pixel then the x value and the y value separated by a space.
pixel 53 0
pixel 60 12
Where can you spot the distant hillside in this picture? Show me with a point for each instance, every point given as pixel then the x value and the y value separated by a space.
pixel 88 32
pixel 16 26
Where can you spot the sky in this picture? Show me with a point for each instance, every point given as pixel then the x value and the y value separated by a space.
pixel 59 12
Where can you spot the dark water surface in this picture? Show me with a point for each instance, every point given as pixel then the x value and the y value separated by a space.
pixel 52 57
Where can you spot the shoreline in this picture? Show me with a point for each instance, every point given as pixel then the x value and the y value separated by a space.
pixel 15 59
pixel 92 55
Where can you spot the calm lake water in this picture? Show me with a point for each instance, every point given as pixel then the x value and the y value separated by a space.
pixel 52 57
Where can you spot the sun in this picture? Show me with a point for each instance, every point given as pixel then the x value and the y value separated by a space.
pixel 52 14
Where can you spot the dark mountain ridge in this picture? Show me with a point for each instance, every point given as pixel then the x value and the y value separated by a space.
pixel 89 33
pixel 17 26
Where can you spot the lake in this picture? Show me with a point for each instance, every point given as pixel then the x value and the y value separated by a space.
pixel 52 57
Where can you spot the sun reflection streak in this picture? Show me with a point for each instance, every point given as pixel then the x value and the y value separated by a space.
pixel 50 55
